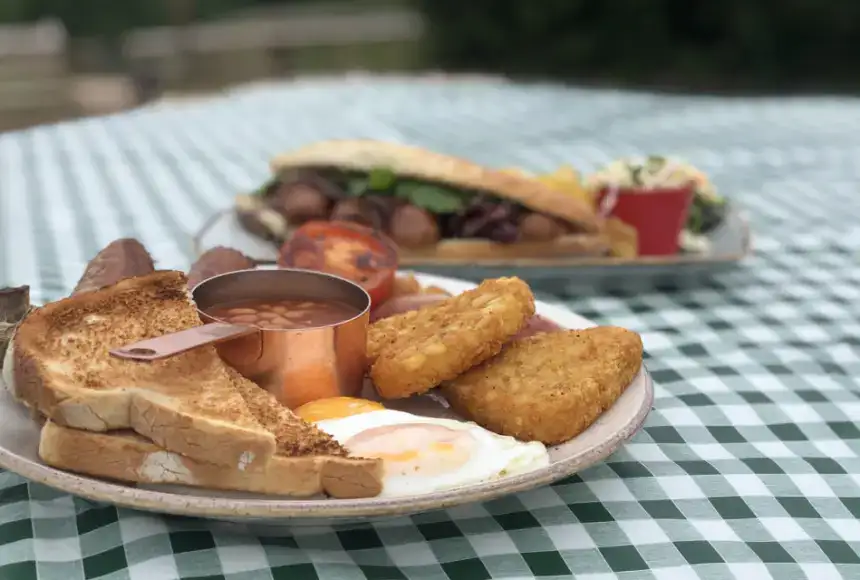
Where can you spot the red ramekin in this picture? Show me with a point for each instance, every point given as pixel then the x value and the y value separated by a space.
pixel 658 215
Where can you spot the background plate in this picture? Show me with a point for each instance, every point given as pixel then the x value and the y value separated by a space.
pixel 19 443
pixel 730 243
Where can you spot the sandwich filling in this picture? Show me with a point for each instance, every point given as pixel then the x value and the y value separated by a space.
pixel 414 213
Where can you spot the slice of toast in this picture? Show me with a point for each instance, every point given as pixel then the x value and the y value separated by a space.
pixel 128 457
pixel 188 404
pixel 308 461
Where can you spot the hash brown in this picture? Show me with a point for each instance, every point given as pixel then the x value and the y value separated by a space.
pixel 413 352
pixel 549 387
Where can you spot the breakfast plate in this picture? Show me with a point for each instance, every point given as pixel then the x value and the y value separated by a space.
pixel 20 435
pixel 729 243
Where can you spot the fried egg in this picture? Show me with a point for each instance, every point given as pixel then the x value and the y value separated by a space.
pixel 335 408
pixel 422 454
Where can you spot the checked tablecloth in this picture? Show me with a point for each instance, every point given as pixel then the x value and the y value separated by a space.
pixel 747 467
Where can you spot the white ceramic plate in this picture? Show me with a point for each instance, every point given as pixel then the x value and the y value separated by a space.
pixel 19 443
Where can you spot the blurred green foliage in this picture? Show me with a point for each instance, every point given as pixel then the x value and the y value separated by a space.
pixel 746 41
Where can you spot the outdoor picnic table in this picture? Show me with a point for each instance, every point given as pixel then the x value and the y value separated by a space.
pixel 747 467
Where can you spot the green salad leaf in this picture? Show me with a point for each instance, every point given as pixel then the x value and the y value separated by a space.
pixel 381 179
pixel 264 189
pixel 636 175
pixel 694 219
pixel 433 198
pixel 357 186
pixel 654 163
pixel 378 180
pixel 705 215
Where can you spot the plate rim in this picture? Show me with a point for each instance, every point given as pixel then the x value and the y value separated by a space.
pixel 576 262
pixel 148 499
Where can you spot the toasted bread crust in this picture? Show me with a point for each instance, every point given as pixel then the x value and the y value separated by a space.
pixel 364 155
pixel 127 457
pixel 294 437
pixel 187 404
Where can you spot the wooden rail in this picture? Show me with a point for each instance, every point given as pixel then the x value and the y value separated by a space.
pixel 34 76
pixel 300 30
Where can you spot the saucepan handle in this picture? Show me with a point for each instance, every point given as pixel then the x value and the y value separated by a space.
pixel 169 345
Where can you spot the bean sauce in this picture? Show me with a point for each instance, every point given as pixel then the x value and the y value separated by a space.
pixel 283 314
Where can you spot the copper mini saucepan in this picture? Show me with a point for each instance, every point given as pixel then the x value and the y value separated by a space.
pixel 296 365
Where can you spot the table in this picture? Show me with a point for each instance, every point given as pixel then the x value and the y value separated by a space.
pixel 749 465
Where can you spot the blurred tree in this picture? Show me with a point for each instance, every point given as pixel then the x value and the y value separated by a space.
pixel 774 42
pixel 105 18
pixel 15 10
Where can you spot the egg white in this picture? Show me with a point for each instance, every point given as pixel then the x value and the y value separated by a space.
pixel 495 456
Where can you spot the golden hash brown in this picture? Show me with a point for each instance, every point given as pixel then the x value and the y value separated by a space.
pixel 413 352
pixel 549 387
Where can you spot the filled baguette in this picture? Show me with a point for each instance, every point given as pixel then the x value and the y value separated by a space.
pixel 434 206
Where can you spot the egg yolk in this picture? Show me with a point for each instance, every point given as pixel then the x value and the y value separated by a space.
pixel 414 449
pixel 335 408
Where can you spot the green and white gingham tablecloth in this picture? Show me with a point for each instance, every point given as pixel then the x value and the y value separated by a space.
pixel 748 466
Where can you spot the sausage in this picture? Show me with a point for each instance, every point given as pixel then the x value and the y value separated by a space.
pixel 406 285
pixel 413 227
pixel 299 203
pixel 123 258
pixel 218 260
pixel 409 284
pixel 537 227
pixel 358 210
pixel 14 306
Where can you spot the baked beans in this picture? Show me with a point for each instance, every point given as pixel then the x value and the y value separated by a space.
pixel 283 314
